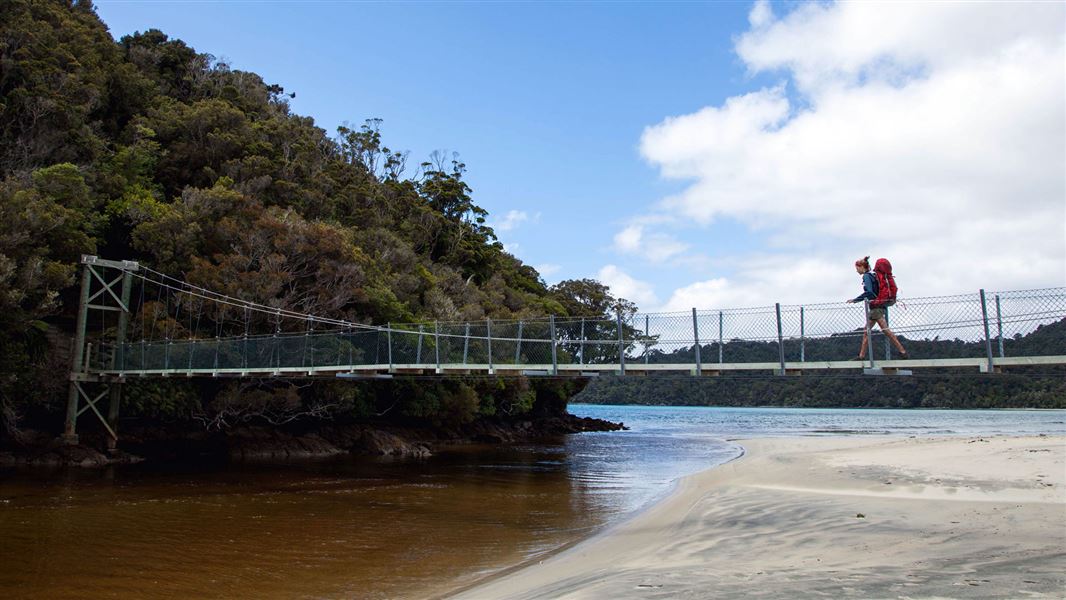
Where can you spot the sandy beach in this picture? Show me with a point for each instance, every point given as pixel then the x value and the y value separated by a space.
pixel 853 517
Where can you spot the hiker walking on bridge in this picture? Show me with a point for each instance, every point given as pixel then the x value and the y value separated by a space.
pixel 879 297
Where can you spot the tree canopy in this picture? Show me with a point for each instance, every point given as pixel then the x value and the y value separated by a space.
pixel 148 149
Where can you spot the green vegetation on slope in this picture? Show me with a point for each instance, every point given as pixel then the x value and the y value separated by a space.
pixel 146 149
pixel 149 150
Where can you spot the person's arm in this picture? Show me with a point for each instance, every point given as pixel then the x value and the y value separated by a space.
pixel 869 288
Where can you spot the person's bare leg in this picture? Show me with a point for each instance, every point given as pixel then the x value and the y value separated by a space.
pixel 891 336
pixel 865 340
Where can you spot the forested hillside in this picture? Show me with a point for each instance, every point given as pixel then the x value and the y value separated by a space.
pixel 147 149
pixel 151 150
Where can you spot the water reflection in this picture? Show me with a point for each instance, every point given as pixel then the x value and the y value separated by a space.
pixel 358 528
pixel 344 528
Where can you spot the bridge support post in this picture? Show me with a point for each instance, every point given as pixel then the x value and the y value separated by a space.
pixel 488 341
pixel 388 340
pixel 466 343
pixel 418 348
pixel 581 344
pixel 720 340
pixel 780 339
pixel 988 338
pixel 244 342
pixel 999 327
pixel 803 338
pixel 310 337
pixel 436 344
pixel 621 345
pixel 275 345
pixel 518 346
pixel 555 358
pixel 77 356
pixel 647 337
pixel 696 342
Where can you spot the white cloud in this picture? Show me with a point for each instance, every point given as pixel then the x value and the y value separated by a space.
pixel 764 280
pixel 656 247
pixel 931 133
pixel 513 219
pixel 823 45
pixel 628 240
pixel 511 249
pixel 546 270
pixel 624 286
pixel 761 14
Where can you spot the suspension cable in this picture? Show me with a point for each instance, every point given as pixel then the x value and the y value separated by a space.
pixel 209 295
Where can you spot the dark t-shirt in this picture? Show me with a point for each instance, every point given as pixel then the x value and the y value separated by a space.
pixel 869 287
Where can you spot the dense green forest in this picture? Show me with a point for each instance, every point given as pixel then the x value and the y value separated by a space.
pixel 1020 387
pixel 150 150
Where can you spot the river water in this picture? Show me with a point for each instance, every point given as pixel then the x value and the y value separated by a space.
pixel 359 528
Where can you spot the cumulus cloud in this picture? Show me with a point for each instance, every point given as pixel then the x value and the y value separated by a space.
pixel 764 280
pixel 513 220
pixel 655 247
pixel 628 240
pixel 624 286
pixel 931 133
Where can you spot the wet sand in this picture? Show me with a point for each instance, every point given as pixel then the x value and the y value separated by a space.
pixel 845 517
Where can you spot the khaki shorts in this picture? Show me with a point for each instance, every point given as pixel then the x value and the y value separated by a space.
pixel 876 314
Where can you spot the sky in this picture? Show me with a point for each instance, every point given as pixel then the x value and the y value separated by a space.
pixel 700 154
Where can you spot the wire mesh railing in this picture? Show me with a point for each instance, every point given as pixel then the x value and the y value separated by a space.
pixel 999 324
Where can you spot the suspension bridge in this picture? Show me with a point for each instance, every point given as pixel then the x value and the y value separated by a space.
pixel 135 322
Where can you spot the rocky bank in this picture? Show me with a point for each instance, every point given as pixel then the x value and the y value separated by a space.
pixel 161 443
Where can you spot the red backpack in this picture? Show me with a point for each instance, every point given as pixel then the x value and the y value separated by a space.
pixel 886 284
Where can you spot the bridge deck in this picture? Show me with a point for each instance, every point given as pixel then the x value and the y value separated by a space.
pixel 572 370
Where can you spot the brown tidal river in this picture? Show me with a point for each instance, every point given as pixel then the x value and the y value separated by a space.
pixel 348 528
pixel 336 529
pixel 362 528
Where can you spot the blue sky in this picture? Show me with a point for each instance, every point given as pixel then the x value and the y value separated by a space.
pixel 665 148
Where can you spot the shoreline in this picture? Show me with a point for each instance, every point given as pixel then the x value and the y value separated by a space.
pixel 851 516
pixel 264 444
pixel 605 531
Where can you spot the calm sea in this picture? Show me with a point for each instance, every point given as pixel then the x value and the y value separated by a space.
pixel 358 528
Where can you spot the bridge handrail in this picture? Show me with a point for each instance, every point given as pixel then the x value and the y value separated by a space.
pixel 975 321
pixel 409 328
